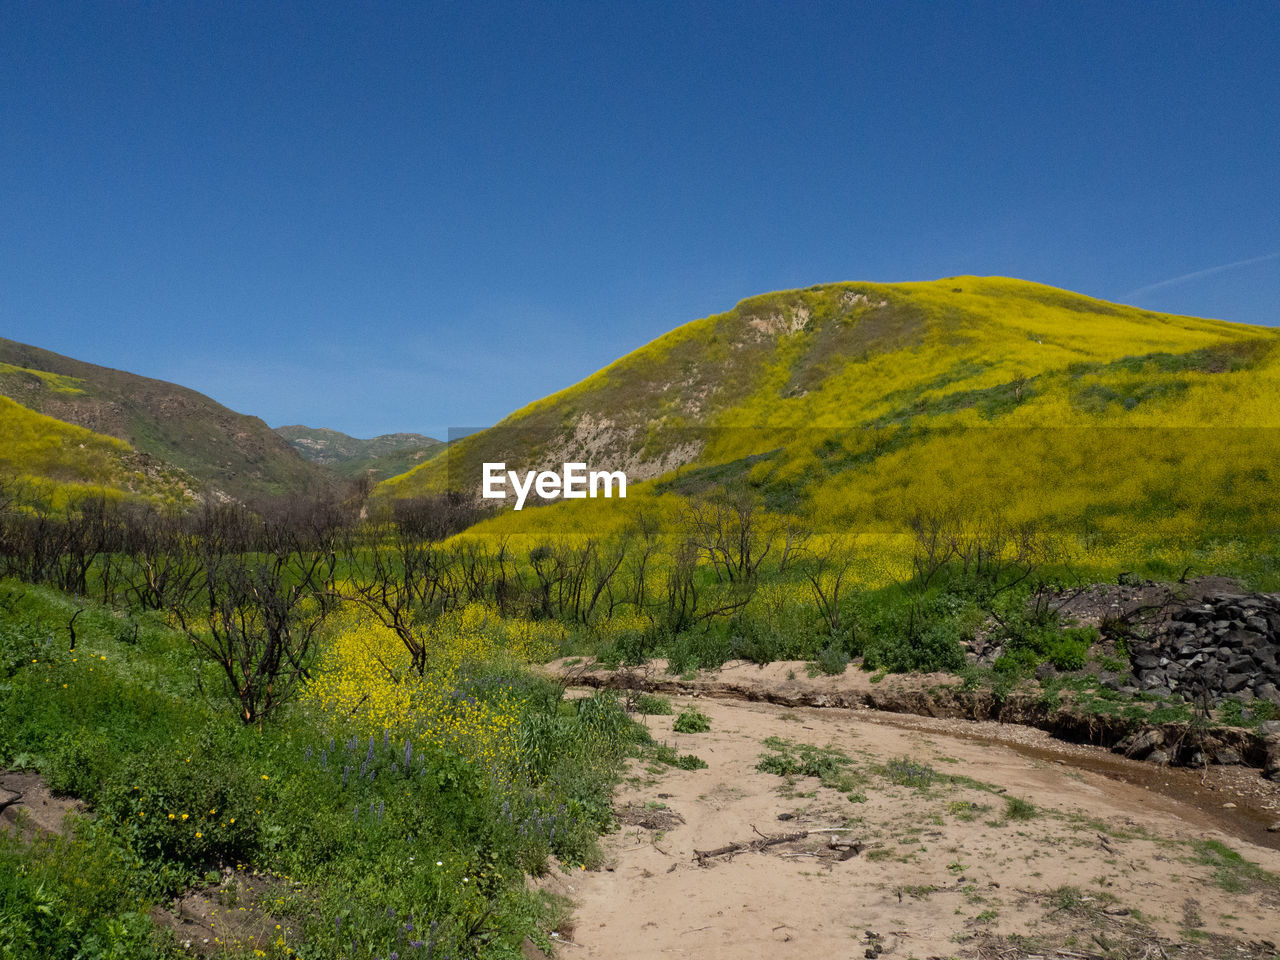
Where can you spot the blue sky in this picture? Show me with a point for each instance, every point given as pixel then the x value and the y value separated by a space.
pixel 412 216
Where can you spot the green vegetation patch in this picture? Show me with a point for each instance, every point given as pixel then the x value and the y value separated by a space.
pixel 830 765
pixel 691 720
pixel 1231 871
pixel 910 773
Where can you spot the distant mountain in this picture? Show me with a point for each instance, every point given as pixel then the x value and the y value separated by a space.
pixel 379 458
pixel 225 452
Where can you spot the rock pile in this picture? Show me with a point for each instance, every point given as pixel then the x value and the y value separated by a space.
pixel 1227 646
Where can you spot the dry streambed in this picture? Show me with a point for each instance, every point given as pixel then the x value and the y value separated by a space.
pixel 1000 852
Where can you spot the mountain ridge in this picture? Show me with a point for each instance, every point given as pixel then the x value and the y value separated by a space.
pixel 227 453
pixel 377 457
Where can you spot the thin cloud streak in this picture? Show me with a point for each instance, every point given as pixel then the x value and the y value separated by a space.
pixel 1201 273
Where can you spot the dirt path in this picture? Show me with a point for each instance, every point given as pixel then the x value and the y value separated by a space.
pixel 1099 867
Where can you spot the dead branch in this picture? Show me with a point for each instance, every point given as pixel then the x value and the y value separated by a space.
pixel 765 841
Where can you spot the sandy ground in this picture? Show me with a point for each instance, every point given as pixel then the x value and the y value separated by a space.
pixel 1103 868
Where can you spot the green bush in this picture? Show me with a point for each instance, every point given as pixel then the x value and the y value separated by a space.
pixel 934 646
pixel 832 660
pixel 691 720
pixel 194 808
pixel 701 648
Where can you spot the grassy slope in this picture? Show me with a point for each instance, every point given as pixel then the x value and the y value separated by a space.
pixel 381 457
pixel 856 403
pixel 228 451
pixel 59 461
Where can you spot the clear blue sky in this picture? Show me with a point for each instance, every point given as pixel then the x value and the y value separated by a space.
pixel 412 216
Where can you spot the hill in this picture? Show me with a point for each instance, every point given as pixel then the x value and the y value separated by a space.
pixel 858 405
pixel 43 460
pixel 224 451
pixel 379 458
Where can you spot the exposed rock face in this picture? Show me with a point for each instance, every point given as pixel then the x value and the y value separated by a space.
pixel 1227 646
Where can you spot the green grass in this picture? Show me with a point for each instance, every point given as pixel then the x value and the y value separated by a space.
pixel 134 730
pixel 1231 871
pixel 1015 808
pixel 653 705
pixel 664 754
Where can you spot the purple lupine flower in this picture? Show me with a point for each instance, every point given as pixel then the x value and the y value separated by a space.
pixel 408 754
pixel 408 927
pixel 370 757
pixel 356 813
pixel 337 924
pixel 386 738
pixel 346 770
pixel 308 755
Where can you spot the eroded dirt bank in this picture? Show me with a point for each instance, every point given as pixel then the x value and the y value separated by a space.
pixel 1095 866
pixel 942 695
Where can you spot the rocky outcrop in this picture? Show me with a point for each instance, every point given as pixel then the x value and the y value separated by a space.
pixel 1227 646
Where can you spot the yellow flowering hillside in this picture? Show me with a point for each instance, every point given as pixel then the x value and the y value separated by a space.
pixel 857 405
